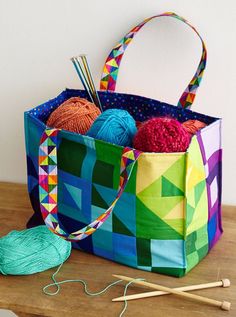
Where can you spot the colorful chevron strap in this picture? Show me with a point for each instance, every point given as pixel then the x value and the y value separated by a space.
pixel 48 186
pixel 111 67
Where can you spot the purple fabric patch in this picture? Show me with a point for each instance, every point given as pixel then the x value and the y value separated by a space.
pixel 210 146
pixel 200 142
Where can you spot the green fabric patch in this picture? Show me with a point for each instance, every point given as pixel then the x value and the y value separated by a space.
pixel 196 246
pixel 190 243
pixel 108 153
pixel 119 227
pixel 97 200
pixel 71 156
pixel 160 206
pixel 202 252
pixel 190 212
pixel 178 272
pixel 153 190
pixel 202 237
pixel 169 189
pixel 192 260
pixel 131 186
pixel 111 155
pixel 198 190
pixel 176 173
pixel 150 226
pixel 103 174
pixel 51 187
pixel 144 252
pixel 50 161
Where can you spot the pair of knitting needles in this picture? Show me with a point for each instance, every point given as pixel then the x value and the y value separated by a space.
pixel 83 70
pixel 180 291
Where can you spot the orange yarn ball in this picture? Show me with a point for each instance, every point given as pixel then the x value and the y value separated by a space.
pixel 75 114
pixel 192 126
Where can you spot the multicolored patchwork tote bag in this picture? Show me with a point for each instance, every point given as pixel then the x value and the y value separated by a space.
pixel 159 212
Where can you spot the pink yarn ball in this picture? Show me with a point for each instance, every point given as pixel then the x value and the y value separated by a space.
pixel 162 135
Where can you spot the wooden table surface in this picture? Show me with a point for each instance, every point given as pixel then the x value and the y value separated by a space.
pixel 23 294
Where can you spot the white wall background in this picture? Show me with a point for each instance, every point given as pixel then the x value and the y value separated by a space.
pixel 37 39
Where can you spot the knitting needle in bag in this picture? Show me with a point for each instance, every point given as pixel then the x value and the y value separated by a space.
pixel 90 80
pixel 224 305
pixel 221 283
pixel 82 77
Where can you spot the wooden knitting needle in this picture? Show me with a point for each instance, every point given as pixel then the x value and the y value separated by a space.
pixel 223 305
pixel 223 283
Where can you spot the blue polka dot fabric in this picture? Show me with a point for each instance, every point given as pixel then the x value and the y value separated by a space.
pixel 141 108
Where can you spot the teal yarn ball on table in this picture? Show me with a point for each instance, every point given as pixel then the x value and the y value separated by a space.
pixel 31 251
pixel 115 126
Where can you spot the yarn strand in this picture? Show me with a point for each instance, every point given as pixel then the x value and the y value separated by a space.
pixel 87 292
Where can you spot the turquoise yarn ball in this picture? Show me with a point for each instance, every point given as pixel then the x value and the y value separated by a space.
pixel 31 251
pixel 115 126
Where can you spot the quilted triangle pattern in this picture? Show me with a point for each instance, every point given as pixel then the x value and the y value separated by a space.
pixel 164 190
pixel 150 226
pixel 72 196
pixel 120 227
pixel 169 189
pixel 48 187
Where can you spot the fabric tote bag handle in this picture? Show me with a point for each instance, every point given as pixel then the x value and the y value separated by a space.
pixel 112 64
pixel 48 186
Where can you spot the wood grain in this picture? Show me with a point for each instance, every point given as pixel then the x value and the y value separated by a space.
pixel 24 296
